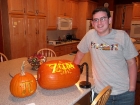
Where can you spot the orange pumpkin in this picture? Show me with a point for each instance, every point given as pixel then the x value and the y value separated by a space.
pixel 23 85
pixel 58 74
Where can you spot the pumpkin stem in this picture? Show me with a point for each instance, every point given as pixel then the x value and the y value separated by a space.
pixel 22 68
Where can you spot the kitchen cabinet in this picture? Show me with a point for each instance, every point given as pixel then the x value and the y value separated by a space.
pixel 16 46
pixel 30 7
pixel 70 48
pixel 35 34
pixel 74 14
pixel 137 94
pixel 136 11
pixel 41 35
pixel 59 50
pixel 41 7
pixel 91 7
pixel 63 49
pixel 85 100
pixel 64 8
pixel 24 34
pixel 27 35
pixel 123 16
pixel 84 13
pixel 52 14
pixel 118 16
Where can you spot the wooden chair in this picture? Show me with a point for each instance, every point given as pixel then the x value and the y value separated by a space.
pixel 3 57
pixel 102 97
pixel 47 52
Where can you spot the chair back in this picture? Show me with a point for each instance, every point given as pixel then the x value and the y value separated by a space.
pixel 102 97
pixel 3 57
pixel 47 52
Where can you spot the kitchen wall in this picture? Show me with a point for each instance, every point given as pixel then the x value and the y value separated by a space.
pixel 54 34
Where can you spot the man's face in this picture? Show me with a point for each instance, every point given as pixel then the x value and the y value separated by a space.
pixel 101 23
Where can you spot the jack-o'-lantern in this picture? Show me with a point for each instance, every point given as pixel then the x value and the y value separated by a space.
pixel 58 74
pixel 23 84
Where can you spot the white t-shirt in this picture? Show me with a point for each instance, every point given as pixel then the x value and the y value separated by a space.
pixel 109 54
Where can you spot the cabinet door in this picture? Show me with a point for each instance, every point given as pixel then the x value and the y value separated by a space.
pixel 137 95
pixel 41 7
pixel 74 14
pixel 118 16
pixel 91 7
pixel 31 35
pixel 61 7
pixel 17 36
pixel 68 8
pixel 30 7
pixel 41 36
pixel 16 6
pixel 136 11
pixel 64 8
pixel 52 14
pixel 128 16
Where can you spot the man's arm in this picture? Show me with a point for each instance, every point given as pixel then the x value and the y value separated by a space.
pixel 78 57
pixel 132 70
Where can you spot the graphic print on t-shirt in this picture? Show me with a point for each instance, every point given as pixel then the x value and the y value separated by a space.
pixel 104 46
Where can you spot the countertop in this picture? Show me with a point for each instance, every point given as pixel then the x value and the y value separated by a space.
pixel 65 43
pixel 65 96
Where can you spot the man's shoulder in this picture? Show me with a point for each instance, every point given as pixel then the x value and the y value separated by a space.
pixel 118 31
pixel 91 32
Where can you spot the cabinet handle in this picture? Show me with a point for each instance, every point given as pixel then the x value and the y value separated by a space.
pixel 37 11
pixel 36 31
pixel 24 10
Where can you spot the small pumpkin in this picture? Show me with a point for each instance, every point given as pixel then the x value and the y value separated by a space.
pixel 58 74
pixel 23 84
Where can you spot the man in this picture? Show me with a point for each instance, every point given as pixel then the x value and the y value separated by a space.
pixel 113 58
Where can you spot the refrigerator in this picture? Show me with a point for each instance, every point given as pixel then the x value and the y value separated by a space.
pixel 89 25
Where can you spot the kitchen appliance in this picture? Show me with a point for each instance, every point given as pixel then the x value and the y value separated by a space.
pixel 69 37
pixel 54 42
pixel 64 23
pixel 135 30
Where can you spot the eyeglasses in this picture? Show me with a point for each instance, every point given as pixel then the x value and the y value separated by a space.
pixel 102 19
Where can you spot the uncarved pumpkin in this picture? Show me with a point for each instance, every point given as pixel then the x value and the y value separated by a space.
pixel 23 85
pixel 58 74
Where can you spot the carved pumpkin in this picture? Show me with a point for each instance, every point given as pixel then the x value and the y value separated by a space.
pixel 23 84
pixel 58 74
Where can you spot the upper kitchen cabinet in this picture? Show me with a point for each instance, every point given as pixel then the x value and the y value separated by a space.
pixel 128 17
pixel 52 14
pixel 64 8
pixel 16 6
pixel 41 7
pixel 123 16
pixel 24 33
pixel 30 7
pixel 74 14
pixel 84 13
pixel 91 7
pixel 119 15
pixel 136 11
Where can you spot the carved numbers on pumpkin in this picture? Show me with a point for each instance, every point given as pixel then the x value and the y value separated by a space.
pixel 26 85
pixel 61 67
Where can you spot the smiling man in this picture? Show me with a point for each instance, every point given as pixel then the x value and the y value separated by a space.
pixel 113 58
